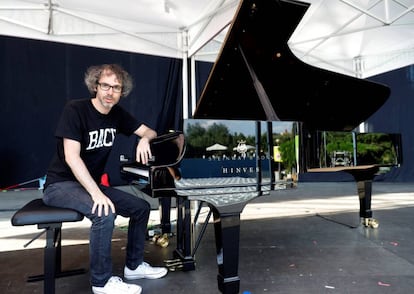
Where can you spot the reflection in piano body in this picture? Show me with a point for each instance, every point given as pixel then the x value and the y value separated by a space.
pixel 224 179
pixel 257 79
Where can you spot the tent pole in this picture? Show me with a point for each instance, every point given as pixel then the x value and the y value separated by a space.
pixel 193 85
pixel 185 75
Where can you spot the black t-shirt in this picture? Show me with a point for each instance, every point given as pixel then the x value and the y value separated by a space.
pixel 96 132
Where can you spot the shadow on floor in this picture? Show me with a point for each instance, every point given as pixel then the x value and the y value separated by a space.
pixel 291 254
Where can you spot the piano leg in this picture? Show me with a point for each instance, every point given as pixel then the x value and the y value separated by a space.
pixel 183 257
pixel 364 193
pixel 227 235
pixel 363 178
pixel 365 212
pixel 227 238
pixel 165 214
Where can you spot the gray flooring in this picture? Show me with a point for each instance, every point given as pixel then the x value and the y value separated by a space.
pixel 305 240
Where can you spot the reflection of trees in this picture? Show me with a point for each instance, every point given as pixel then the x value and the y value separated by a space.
pixel 198 138
pixel 287 151
pixel 371 147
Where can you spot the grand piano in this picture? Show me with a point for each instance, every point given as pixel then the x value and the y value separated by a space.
pixel 257 78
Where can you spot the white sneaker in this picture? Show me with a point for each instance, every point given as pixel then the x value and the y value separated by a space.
pixel 145 271
pixel 115 285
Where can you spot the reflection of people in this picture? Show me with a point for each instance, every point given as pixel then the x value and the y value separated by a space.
pixel 85 135
pixel 174 172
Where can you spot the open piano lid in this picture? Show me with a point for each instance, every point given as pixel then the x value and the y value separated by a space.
pixel 257 77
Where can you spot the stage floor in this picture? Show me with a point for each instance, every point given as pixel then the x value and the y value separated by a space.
pixel 303 240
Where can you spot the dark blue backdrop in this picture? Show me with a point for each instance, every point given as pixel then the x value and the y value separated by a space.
pixel 37 78
pixel 397 116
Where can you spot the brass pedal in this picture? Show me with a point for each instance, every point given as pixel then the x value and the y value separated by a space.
pixel 175 267
pixel 179 264
pixel 172 262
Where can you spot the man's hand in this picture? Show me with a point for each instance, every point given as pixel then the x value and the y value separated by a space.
pixel 143 152
pixel 101 203
pixel 72 156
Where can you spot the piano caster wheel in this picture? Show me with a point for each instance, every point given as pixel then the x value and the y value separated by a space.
pixel 370 223
pixel 161 240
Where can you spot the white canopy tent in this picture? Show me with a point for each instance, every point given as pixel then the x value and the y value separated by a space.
pixel 359 38
pixel 216 147
pixel 169 28
pixel 355 37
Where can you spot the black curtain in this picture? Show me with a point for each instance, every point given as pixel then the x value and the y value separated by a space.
pixel 396 116
pixel 37 79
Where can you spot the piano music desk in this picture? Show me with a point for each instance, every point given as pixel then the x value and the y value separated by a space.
pixel 363 176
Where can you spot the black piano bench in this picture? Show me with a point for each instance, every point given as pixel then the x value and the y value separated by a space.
pixel 49 219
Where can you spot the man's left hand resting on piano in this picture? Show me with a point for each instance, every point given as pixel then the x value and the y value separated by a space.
pixel 143 152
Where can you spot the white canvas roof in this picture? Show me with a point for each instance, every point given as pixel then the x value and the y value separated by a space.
pixel 356 37
pixel 359 38
pixel 168 28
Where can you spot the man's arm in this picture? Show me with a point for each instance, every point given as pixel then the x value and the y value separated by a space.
pixel 143 152
pixel 72 157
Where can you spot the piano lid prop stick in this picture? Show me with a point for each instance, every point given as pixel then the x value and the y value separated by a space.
pixel 264 99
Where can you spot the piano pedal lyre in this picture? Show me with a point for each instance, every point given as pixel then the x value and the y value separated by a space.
pixel 370 222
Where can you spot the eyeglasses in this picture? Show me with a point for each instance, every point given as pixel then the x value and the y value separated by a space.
pixel 106 87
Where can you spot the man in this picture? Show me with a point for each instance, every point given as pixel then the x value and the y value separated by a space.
pixel 85 135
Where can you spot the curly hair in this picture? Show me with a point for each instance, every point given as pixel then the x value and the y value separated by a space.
pixel 95 72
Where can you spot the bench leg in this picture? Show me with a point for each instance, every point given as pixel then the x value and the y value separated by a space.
pixel 53 259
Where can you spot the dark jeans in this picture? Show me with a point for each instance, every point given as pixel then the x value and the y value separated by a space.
pixel 73 195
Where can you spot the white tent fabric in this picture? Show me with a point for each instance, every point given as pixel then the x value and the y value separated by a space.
pixel 170 28
pixel 360 38
pixel 355 37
